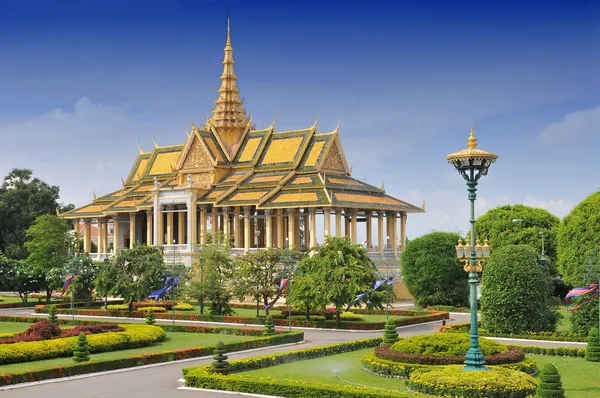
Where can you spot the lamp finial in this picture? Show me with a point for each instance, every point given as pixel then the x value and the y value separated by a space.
pixel 472 141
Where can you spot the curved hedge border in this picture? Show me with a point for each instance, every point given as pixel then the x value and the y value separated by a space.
pixel 512 355
pixel 386 368
pixel 455 382
pixel 326 324
pixel 551 336
pixel 202 377
pixel 144 359
pixel 134 336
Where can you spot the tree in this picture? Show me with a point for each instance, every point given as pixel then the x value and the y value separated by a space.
pixel 520 225
pixel 82 351
pixel 269 326
pixel 586 317
pixel 390 334
pixel 48 247
pixel 220 364
pixel 592 351
pixel 304 295
pixel 259 274
pixel 212 279
pixel 516 292
pixel 22 199
pixel 150 320
pixel 578 233
pixel 432 272
pixel 133 273
pixel 340 272
pixel 550 383
pixel 17 276
pixel 52 317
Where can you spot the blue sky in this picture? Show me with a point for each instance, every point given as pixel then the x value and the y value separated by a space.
pixel 81 82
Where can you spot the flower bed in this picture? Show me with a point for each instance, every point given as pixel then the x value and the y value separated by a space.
pixel 511 355
pixel 454 381
pixel 145 359
pixel 217 330
pixel 327 324
pixel 133 336
pixel 46 330
pixel 202 377
pixel 551 336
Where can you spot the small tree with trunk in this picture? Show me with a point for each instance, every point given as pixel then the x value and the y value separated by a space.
pixel 269 326
pixel 82 352
pixel 550 383
pixel 150 320
pixel 592 351
pixel 390 334
pixel 220 364
pixel 52 314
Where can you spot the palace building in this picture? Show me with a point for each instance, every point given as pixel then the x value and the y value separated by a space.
pixel 260 187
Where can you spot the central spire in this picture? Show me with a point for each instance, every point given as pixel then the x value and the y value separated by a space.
pixel 229 119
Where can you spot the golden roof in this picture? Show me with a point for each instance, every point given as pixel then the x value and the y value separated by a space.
pixel 471 152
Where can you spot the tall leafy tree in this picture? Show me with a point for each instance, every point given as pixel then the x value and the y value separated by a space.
pixel 18 277
pixel 86 271
pixel 578 233
pixel 48 247
pixel 304 295
pixel 133 273
pixel 520 225
pixel 432 272
pixel 341 271
pixel 23 198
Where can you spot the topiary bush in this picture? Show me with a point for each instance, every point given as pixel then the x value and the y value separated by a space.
pixel 184 307
pixel 445 344
pixel 43 330
pixel 350 316
pixel 592 351
pixel 154 309
pixel 515 292
pixel 432 272
pixel 550 383
pixel 52 314
pixel 220 364
pixel 150 320
pixel 269 326
pixel 390 334
pixel 117 307
pixel 82 352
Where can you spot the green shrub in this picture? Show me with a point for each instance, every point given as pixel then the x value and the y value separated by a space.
pixel 220 364
pixel 154 309
pixel 586 317
pixel 134 336
pixel 117 307
pixel 269 326
pixel 82 352
pixel 515 292
pixel 592 351
pixel 432 272
pixel 550 383
pixel 350 316
pixel 184 307
pixel 454 381
pixel 445 344
pixel 150 320
pixel 52 314
pixel 390 334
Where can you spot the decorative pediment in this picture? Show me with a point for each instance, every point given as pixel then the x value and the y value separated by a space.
pixel 197 156
pixel 333 160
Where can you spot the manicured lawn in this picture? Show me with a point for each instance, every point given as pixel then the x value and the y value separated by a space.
pixel 15 299
pixel 323 370
pixel 175 340
pixel 564 324
pixel 579 377
pixel 13 327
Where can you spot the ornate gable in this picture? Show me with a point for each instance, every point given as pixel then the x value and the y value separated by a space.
pixel 333 160
pixel 197 157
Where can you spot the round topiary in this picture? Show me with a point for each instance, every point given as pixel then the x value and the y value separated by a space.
pixel 269 326
pixel 445 344
pixel 390 334
pixel 432 273
pixel 454 381
pixel 592 351
pixel 550 383
pixel 52 314
pixel 515 292
pixel 150 320
pixel 220 364
pixel 82 352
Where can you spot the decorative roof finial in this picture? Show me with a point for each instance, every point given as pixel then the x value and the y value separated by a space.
pixel 191 121
pixel 472 141
pixel 338 126
pixel 187 132
pixel 123 181
pixel 154 141
pixel 156 183
pixel 272 126
pixel 94 192
pixel 314 126
pixel 382 185
pixel 228 26
pixel 423 205
pixel 140 148
pixel 57 211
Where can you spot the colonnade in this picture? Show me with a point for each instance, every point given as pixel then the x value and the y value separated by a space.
pixel 246 227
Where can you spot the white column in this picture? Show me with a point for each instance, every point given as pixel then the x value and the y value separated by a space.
pixel 380 235
pixel 149 228
pixel 326 221
pixel 246 228
pixel 132 230
pixel 268 229
pixel 116 232
pixel 312 218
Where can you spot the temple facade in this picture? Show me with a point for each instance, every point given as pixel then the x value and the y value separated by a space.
pixel 259 187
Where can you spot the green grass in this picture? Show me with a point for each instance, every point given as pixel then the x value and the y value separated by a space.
pixel 580 377
pixel 323 370
pixel 14 299
pixel 175 341
pixel 564 324
pixel 13 327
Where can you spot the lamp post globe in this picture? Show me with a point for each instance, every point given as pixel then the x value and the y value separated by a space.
pixel 472 163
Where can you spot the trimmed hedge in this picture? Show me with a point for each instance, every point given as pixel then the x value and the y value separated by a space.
pixel 511 355
pixel 144 359
pixel 550 336
pixel 555 351
pixel 134 336
pixel 444 344
pixel 155 309
pixel 184 307
pixel 202 377
pixel 327 324
pixel 454 381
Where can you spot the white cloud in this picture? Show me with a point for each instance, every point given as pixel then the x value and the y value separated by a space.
pixel 573 126
pixel 558 207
